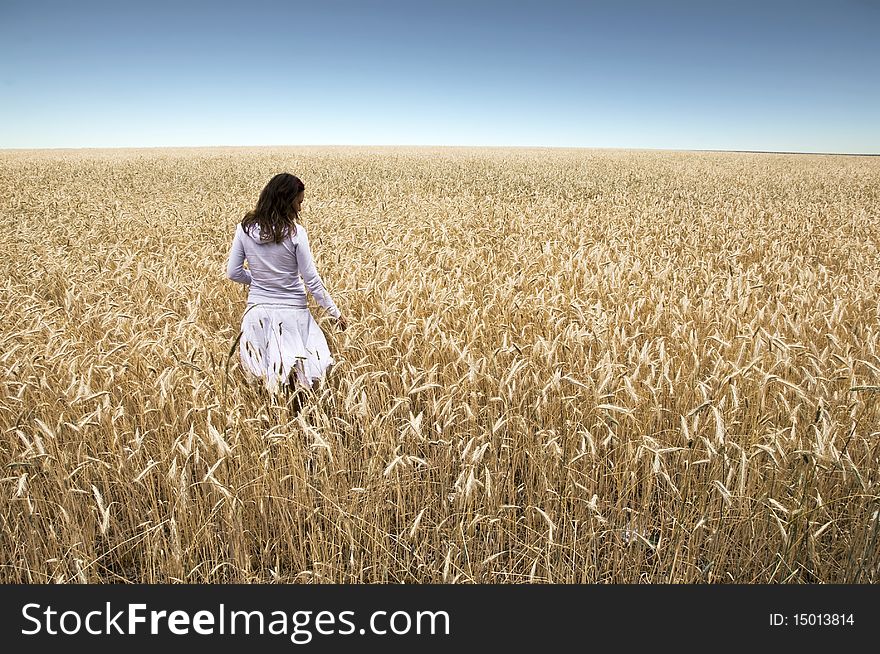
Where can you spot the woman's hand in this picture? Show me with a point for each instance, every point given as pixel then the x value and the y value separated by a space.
pixel 341 322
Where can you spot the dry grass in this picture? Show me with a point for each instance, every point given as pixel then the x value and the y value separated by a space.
pixel 563 366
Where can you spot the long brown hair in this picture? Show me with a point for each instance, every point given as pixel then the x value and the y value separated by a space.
pixel 274 212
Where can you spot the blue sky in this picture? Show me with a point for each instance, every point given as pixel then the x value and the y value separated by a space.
pixel 771 75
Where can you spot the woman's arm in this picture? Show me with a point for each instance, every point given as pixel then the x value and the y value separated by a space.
pixel 235 268
pixel 306 264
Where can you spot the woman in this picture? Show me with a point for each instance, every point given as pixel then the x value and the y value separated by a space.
pixel 281 344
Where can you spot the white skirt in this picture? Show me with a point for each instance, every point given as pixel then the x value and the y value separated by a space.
pixel 279 339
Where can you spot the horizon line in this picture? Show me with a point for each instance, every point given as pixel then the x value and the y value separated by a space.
pixel 424 145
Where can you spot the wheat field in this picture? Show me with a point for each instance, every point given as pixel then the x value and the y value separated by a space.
pixel 562 366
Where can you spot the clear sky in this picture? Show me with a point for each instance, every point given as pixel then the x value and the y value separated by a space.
pixel 738 75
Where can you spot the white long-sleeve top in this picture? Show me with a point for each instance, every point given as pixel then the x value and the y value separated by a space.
pixel 274 269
